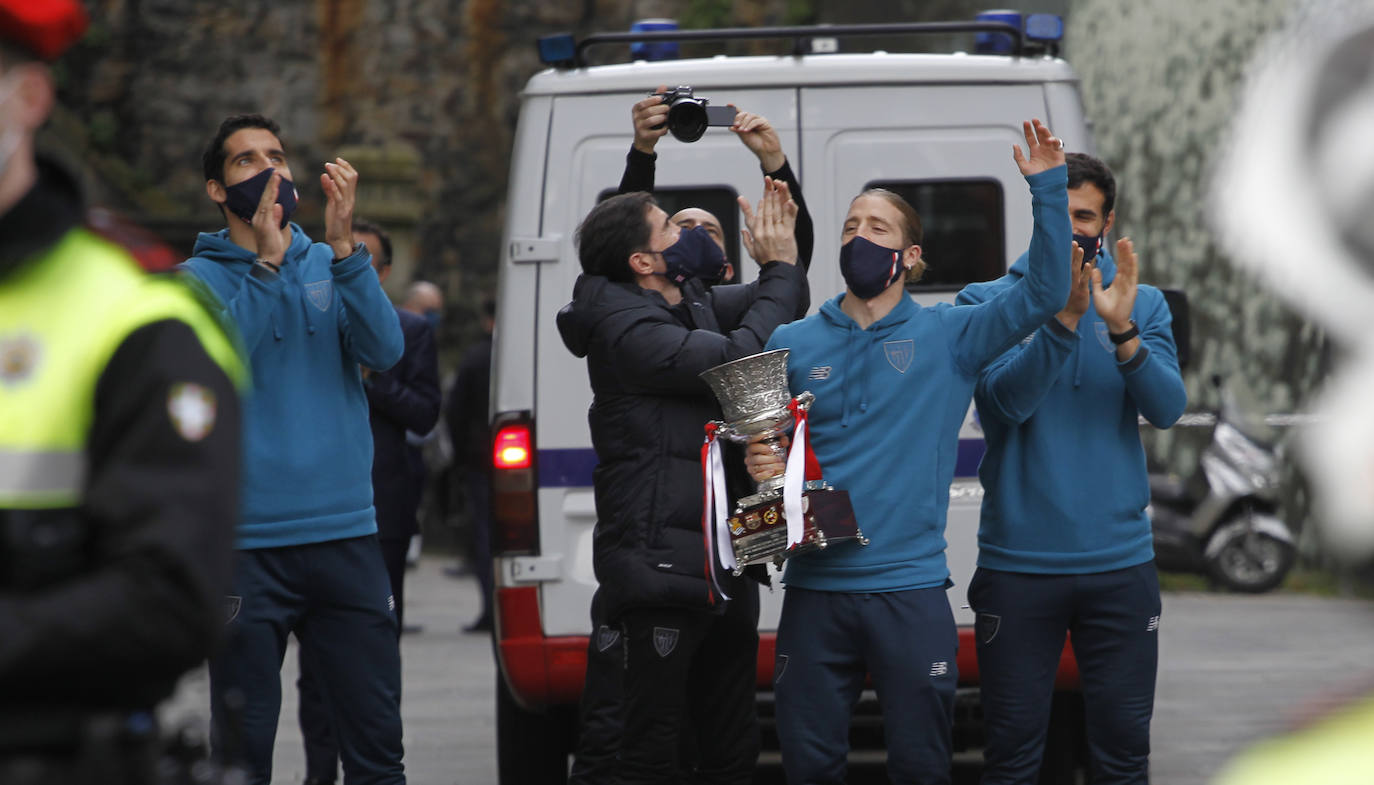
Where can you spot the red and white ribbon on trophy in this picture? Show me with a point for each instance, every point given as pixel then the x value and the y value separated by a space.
pixel 801 467
pixel 715 530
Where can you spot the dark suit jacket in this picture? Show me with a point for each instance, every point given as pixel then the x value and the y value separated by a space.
pixel 401 399
pixel 466 414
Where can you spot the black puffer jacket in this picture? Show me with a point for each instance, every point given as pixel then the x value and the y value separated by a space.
pixel 648 412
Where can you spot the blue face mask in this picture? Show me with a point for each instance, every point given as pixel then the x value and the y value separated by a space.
pixel 694 255
pixel 433 318
pixel 869 268
pixel 1090 245
pixel 242 198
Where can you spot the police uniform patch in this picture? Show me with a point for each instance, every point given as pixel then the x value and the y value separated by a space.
pixel 665 640
pixel 191 409
pixel 18 358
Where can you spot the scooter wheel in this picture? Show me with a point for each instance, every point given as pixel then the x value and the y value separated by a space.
pixel 1245 559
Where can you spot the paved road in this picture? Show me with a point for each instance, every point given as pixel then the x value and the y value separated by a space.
pixel 1233 669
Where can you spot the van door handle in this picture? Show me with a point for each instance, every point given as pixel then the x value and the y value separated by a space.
pixel 533 250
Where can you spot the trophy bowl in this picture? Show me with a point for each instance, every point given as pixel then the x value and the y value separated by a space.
pixel 754 398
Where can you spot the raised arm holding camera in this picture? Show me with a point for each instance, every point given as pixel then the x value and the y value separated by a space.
pixel 651 123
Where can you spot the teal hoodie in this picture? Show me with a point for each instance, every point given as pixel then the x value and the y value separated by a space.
pixel 307 446
pixel 1064 473
pixel 890 400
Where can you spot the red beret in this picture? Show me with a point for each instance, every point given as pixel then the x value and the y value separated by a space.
pixel 44 27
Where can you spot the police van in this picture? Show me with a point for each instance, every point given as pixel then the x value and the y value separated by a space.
pixel 936 128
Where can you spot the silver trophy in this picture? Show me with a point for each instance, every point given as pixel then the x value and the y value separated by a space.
pixel 753 395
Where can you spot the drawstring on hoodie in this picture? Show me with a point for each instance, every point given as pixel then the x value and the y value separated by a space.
pixel 305 309
pixel 848 360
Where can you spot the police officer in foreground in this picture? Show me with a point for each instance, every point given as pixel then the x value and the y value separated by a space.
pixel 119 459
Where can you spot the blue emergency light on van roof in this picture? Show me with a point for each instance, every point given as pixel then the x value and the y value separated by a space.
pixel 559 49
pixel 1045 27
pixel 653 50
pixel 995 43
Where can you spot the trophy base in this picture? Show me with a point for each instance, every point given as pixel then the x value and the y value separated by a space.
pixel 758 529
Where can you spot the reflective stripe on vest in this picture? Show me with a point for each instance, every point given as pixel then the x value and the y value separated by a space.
pixel 61 319
pixel 37 480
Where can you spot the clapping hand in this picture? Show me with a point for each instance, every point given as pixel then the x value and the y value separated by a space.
pixel 1080 293
pixel 771 236
pixel 340 184
pixel 1114 304
pixel 267 230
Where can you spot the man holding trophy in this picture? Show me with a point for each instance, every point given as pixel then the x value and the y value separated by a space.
pixel 690 640
pixel 892 383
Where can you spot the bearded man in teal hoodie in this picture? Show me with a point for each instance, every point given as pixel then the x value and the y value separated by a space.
pixel 1064 544
pixel 893 382
pixel 310 316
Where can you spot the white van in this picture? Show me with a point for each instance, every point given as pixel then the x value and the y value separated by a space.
pixel 937 128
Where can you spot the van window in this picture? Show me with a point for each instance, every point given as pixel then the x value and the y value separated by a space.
pixel 716 200
pixel 965 238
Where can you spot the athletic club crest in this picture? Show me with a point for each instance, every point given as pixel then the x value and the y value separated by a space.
pixel 320 294
pixel 665 640
pixel 232 605
pixel 606 637
pixel 986 625
pixel 900 353
pixel 1104 336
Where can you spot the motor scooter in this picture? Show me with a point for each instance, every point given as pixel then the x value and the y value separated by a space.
pixel 1223 522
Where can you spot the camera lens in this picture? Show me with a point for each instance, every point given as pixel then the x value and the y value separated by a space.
pixel 687 120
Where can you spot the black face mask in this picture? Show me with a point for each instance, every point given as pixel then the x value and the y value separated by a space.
pixel 242 198
pixel 868 268
pixel 694 255
pixel 1090 245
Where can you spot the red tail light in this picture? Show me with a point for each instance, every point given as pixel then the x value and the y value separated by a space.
pixel 512 449
pixel 514 484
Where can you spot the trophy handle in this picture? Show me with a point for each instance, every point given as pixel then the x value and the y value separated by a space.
pixel 723 429
pixel 805 400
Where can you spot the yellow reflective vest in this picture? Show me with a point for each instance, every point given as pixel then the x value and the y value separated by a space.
pixel 62 317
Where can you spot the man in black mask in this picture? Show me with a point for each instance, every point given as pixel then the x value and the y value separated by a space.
pixel 690 642
pixel 699 254
pixel 311 315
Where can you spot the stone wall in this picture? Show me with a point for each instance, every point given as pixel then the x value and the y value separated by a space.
pixel 1160 81
pixel 423 95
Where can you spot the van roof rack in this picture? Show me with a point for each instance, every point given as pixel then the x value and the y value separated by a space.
pixel 562 50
